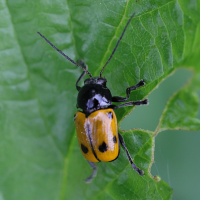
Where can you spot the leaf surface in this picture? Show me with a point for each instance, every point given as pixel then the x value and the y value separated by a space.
pixel 181 109
pixel 40 157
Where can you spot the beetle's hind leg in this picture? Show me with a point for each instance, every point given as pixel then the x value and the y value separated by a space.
pixel 82 64
pixel 140 172
pixel 128 90
pixel 94 173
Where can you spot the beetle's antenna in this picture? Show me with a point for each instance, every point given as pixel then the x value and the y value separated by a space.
pixel 117 44
pixel 65 55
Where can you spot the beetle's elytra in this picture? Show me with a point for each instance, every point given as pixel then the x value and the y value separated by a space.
pixel 95 120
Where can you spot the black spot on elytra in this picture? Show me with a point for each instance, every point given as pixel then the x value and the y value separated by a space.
pixel 114 139
pixel 110 115
pixel 84 149
pixel 103 147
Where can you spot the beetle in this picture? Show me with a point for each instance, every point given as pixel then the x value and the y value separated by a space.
pixel 95 121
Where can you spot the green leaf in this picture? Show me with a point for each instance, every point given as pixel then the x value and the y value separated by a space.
pixel 192 31
pixel 40 157
pixel 116 180
pixel 181 109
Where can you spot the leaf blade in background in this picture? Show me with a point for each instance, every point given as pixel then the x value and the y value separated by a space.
pixel 181 109
pixel 38 143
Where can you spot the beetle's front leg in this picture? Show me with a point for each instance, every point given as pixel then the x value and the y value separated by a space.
pixel 128 90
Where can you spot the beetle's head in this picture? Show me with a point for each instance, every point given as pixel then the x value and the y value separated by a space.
pixel 96 80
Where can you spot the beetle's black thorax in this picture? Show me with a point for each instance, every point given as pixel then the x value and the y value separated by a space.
pixel 94 95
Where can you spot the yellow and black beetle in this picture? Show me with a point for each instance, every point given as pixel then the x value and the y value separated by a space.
pixel 96 123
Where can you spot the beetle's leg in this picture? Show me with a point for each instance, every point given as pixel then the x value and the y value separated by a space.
pixel 131 103
pixel 128 90
pixel 80 62
pixel 94 173
pixel 140 172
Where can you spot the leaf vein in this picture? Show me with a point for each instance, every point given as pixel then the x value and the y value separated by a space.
pixel 114 36
pixel 32 85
